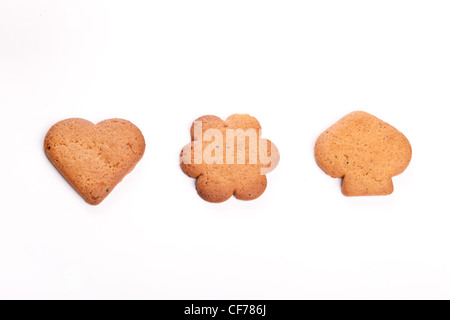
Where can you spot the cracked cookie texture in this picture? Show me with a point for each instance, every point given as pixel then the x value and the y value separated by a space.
pixel 366 152
pixel 224 176
pixel 94 158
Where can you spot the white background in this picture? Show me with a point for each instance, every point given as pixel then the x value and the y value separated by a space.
pixel 298 66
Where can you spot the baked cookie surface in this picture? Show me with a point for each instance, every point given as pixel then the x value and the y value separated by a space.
pixel 223 168
pixel 366 152
pixel 94 158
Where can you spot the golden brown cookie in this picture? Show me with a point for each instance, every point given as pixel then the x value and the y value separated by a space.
pixel 94 158
pixel 228 158
pixel 366 152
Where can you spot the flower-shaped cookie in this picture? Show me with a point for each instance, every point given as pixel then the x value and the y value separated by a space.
pixel 229 158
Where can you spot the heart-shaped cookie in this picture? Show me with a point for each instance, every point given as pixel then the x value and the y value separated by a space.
pixel 94 158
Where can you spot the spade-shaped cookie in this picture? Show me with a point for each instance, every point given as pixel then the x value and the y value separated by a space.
pixel 366 152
